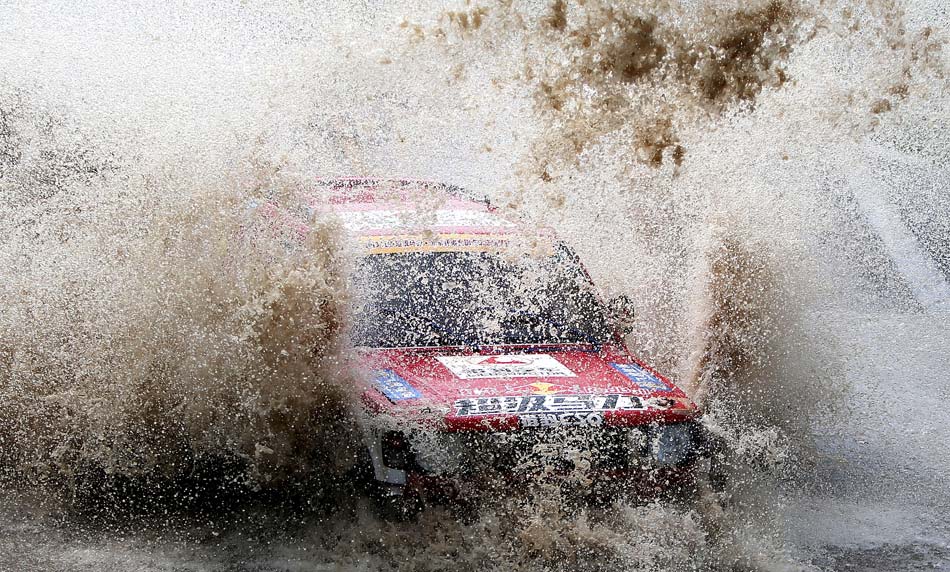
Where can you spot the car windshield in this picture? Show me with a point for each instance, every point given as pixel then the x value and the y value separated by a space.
pixel 422 299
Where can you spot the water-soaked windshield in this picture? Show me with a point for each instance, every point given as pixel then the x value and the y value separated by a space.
pixel 474 298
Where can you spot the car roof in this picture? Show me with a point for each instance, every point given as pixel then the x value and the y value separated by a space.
pixel 407 215
pixel 404 215
pixel 345 190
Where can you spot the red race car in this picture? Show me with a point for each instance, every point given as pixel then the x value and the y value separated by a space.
pixel 486 349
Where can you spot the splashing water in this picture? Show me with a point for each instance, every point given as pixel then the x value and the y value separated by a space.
pixel 767 180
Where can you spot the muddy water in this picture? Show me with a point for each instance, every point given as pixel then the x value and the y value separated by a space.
pixel 767 180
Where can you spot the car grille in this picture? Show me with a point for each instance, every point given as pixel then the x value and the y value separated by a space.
pixel 540 450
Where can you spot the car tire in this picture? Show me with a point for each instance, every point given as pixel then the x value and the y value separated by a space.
pixel 713 448
pixel 362 473
pixel 388 501
pixel 390 506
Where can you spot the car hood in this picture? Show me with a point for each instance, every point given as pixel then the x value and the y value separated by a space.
pixel 518 386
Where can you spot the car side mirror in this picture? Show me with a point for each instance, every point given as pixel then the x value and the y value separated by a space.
pixel 621 314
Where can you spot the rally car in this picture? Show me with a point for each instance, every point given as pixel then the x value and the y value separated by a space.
pixel 484 347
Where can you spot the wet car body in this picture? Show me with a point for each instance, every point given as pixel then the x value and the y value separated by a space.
pixel 485 348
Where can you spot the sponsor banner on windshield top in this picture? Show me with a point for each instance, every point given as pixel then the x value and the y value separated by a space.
pixel 505 366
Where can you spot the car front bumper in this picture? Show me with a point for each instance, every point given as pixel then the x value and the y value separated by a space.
pixel 640 460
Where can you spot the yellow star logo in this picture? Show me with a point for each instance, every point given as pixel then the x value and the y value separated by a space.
pixel 541 388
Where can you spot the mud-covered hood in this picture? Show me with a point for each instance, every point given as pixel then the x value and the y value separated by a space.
pixel 572 385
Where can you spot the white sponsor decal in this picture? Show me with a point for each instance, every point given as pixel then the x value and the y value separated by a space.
pixel 538 404
pixel 505 366
pixel 451 242
pixel 562 419
pixel 661 402
pixel 512 389
pixel 357 221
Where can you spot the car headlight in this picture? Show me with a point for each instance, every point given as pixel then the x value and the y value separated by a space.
pixel 439 453
pixel 672 444
pixel 396 451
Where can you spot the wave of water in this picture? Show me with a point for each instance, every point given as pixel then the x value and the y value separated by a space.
pixel 767 180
